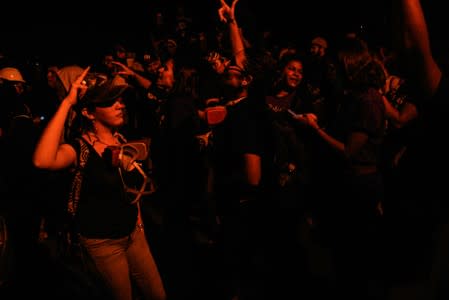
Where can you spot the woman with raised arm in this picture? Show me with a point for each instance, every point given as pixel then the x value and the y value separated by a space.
pixel 106 220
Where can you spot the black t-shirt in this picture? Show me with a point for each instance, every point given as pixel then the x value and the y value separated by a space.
pixel 363 112
pixel 239 134
pixel 104 210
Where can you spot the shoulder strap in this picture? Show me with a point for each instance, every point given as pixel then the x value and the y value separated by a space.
pixel 77 180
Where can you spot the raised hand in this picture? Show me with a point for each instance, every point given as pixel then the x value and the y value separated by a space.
pixel 226 13
pixel 124 69
pixel 78 87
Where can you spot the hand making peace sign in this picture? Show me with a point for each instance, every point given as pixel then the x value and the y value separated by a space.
pixel 226 12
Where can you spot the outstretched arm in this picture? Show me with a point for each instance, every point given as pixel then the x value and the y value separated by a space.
pixel 49 153
pixel 226 14
pixel 347 149
pixel 144 82
pixel 415 40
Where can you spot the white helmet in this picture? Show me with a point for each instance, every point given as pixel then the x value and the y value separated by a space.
pixel 11 74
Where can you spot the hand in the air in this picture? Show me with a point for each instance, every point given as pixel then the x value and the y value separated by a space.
pixel 226 13
pixel 78 87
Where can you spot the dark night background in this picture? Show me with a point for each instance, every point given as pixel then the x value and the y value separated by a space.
pixel 82 29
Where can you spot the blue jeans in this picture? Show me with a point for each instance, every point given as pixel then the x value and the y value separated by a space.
pixel 121 261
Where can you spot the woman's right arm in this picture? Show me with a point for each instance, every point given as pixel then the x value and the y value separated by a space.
pixel 49 153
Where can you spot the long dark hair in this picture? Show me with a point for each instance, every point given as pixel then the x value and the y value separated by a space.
pixel 361 70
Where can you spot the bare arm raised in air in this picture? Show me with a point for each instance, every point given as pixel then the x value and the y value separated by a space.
pixel 226 14
pixel 49 153
pixel 126 71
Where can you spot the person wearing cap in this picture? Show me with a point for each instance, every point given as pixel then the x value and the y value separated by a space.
pixel 108 224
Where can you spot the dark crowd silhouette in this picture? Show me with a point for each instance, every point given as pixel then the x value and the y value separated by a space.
pixel 214 161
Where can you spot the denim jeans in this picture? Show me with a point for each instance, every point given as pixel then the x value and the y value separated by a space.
pixel 122 261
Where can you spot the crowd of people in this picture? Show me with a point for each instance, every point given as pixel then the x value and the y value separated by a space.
pixel 228 167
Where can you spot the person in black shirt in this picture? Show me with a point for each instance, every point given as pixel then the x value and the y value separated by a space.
pixel 108 221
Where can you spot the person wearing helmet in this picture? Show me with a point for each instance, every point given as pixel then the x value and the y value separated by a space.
pixel 11 74
pixel 14 77
pixel 18 135
pixel 12 90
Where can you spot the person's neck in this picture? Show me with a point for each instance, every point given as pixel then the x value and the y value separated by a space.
pixel 105 137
